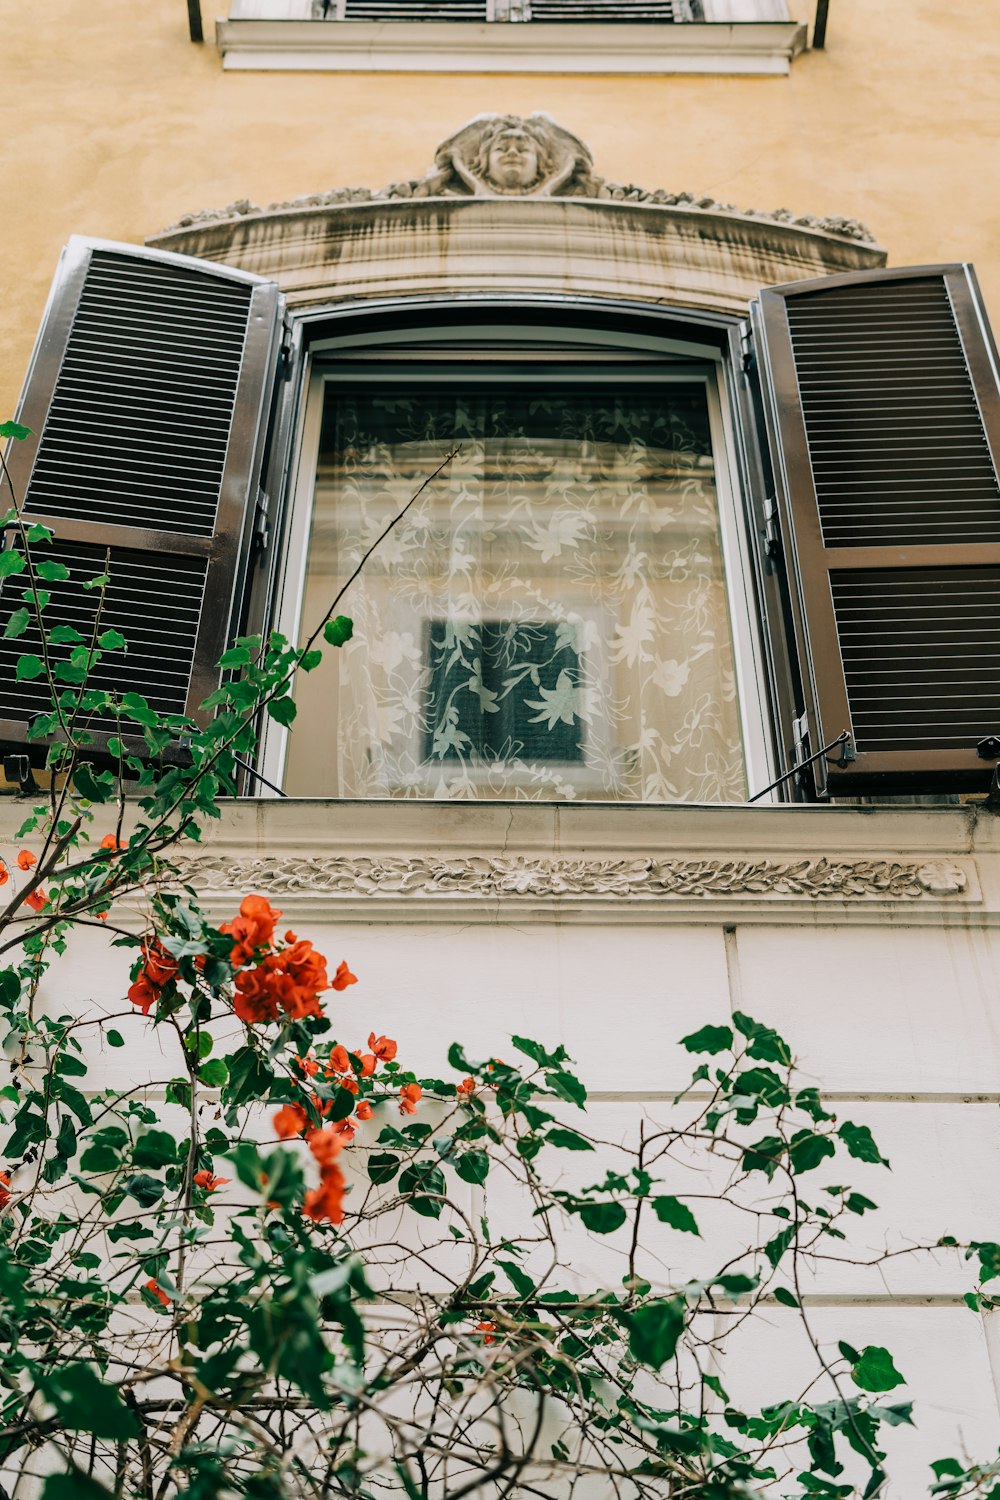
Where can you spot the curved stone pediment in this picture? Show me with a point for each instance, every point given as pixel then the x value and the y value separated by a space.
pixel 513 205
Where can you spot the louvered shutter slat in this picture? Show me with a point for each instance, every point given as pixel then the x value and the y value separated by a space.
pixel 884 421
pixel 147 396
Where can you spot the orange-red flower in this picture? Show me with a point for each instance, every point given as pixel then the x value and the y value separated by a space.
pixel 36 900
pixel 408 1097
pixel 487 1329
pixel 368 1061
pixel 343 977
pixel 252 929
pixel 254 1001
pixel 4 872
pixel 109 841
pixel 364 1110
pixel 309 1066
pixel 466 1086
pixel 340 1061
pixel 154 1289
pixel 4 1189
pixel 26 859
pixel 205 1179
pixel 326 1144
pixel 142 994
pixel 383 1047
pixel 159 966
pixel 291 1119
pixel 327 1201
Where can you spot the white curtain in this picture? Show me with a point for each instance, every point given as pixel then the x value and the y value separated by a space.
pixel 549 620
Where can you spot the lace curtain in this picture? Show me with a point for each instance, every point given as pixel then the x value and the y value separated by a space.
pixel 549 620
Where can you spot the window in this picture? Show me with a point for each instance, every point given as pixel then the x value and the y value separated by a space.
pixel 554 616
pixel 624 586
pixel 504 36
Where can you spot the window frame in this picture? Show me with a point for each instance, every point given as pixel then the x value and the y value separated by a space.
pixel 711 340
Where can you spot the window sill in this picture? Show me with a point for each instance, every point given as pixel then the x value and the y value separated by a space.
pixel 756 47
pixel 598 864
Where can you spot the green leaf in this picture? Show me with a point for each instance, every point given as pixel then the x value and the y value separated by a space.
pixel 283 709
pixel 671 1211
pixel 602 1218
pixel 14 430
pixel 97 582
pixel 85 1403
pixel 567 1140
pixel 785 1297
pixel 654 1330
pixel 339 631
pixel 567 1087
pixel 11 562
pixel 472 1167
pixel 807 1150
pixel 249 1076
pixel 519 1280
pixel 17 624
pixel 28 667
pixel 213 1073
pixel 859 1142
pixel 65 635
pixel 112 640
pixel 75 1485
pixel 115 1038
pixel 144 1189
pixel 155 1148
pixel 236 656
pixel 421 1178
pixel 775 1248
pixel 98 787
pixel 875 1370
pixel 709 1039
pixel 383 1166
pixel 310 659
pixel 51 571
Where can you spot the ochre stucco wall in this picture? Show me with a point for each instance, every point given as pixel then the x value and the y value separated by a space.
pixel 114 124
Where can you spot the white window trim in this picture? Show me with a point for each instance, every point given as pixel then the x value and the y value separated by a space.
pixel 747 635
pixel 755 41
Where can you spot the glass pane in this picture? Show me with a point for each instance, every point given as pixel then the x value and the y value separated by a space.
pixel 548 620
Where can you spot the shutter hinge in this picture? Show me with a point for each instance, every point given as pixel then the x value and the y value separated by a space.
pixel 261 524
pixel 284 369
pixel 800 739
pixel 772 538
pixel 746 343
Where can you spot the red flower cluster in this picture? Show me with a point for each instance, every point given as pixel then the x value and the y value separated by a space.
pixel 285 978
pixel 153 1287
pixel 252 930
pixel 327 1200
pixel 158 968
pixel 4 1189
pixel 408 1097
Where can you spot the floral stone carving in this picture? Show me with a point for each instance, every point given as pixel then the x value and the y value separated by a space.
pixel 502 156
pixel 516 876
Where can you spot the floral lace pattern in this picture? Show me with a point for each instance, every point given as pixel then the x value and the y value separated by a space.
pixel 549 620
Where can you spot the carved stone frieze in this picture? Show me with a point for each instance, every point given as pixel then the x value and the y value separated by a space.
pixel 517 876
pixel 503 156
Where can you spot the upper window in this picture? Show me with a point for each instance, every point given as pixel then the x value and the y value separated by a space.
pixel 511 36
pixel 551 618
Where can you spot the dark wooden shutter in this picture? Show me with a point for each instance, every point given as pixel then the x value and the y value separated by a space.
pixel 147 394
pixel 884 421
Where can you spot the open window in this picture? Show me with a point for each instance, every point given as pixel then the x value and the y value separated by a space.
pixel 561 613
pixel 596 597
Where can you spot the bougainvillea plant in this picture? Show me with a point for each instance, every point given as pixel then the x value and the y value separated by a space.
pixel 279 1264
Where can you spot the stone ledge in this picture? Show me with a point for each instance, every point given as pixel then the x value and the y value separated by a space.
pixel 751 47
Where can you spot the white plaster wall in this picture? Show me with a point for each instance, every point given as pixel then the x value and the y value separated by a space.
pixel 890 1004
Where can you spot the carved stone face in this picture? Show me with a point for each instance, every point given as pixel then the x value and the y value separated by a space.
pixel 513 160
